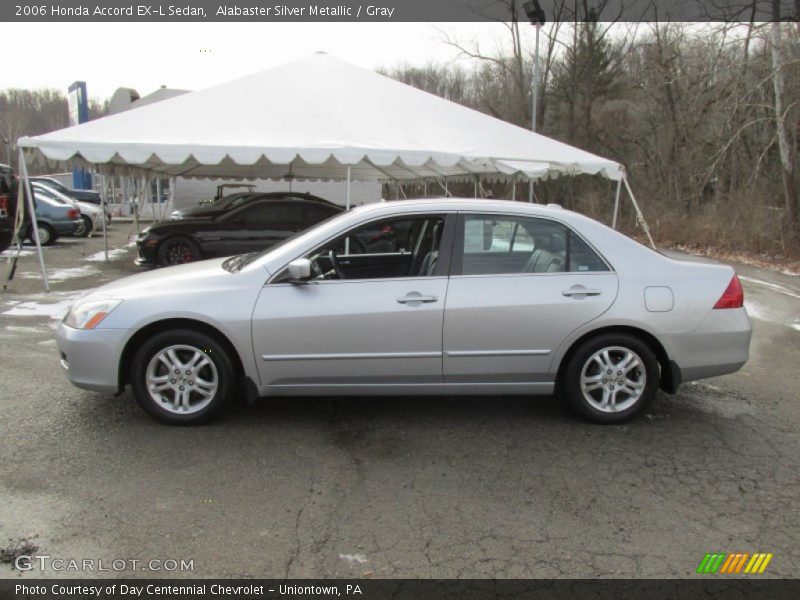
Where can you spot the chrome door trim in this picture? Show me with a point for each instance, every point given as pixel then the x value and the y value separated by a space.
pixel 351 356
pixel 473 353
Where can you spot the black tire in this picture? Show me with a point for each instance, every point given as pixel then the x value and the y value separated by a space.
pixel 214 352
pixel 178 250
pixel 570 384
pixel 87 226
pixel 47 235
pixel 5 240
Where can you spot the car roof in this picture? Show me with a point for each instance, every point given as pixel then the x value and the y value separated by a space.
pixel 467 204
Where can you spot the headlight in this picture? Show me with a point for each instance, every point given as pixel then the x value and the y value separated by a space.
pixel 88 315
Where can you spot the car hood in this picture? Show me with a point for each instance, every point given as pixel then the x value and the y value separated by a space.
pixel 179 224
pixel 199 212
pixel 190 278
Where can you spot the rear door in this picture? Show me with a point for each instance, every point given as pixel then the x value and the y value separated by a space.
pixel 519 286
pixel 259 225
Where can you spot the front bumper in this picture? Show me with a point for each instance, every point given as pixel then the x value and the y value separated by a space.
pixel 91 356
pixel 147 253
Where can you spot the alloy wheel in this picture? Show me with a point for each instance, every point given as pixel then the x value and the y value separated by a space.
pixel 613 379
pixel 182 379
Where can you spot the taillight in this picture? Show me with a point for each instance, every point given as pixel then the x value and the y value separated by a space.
pixel 73 213
pixel 3 202
pixel 733 296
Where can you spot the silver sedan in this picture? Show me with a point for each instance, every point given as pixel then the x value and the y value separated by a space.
pixel 415 297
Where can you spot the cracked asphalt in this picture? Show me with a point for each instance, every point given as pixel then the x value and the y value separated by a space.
pixel 501 487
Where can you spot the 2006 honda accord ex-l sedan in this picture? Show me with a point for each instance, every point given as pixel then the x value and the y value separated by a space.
pixel 415 297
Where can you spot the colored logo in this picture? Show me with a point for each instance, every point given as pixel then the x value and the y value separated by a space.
pixel 734 563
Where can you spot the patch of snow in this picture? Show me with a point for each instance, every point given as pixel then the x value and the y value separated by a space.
pixel 113 254
pixel 13 252
pixel 54 310
pixel 353 558
pixel 23 329
pixel 63 274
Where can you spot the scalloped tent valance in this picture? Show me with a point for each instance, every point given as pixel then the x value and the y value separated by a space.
pixel 313 118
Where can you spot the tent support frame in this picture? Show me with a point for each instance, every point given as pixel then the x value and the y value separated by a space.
pixel 639 216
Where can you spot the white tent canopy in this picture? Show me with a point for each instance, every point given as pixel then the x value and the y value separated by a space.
pixel 313 118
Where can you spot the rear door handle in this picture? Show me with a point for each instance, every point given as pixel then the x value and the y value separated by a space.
pixel 580 292
pixel 415 297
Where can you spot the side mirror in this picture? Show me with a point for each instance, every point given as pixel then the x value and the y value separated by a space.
pixel 299 270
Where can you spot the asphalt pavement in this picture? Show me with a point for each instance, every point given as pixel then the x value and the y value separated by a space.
pixel 500 487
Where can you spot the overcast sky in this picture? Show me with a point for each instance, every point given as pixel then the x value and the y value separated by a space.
pixel 197 55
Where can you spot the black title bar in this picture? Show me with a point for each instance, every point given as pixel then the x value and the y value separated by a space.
pixel 396 10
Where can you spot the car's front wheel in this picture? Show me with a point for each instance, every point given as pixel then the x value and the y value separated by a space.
pixel 177 251
pixel 611 378
pixel 182 377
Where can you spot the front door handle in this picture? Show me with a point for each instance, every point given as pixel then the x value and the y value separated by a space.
pixel 416 298
pixel 580 291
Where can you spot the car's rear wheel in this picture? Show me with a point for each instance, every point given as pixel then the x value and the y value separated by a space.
pixel 182 377
pixel 85 228
pixel 611 378
pixel 177 251
pixel 47 235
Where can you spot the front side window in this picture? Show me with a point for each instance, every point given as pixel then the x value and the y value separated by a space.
pixel 499 244
pixel 272 216
pixel 390 248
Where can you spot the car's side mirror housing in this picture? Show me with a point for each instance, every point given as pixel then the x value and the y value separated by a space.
pixel 299 270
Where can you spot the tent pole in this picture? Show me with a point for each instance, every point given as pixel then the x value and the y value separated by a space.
pixel 530 190
pixel 446 192
pixel 158 199
pixel 103 216
pixel 513 188
pixel 28 192
pixel 639 215
pixel 347 206
pixel 616 205
pixel 475 186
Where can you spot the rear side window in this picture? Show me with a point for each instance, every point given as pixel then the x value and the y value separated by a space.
pixel 500 244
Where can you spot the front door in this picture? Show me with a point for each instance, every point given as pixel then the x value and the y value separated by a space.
pixel 372 314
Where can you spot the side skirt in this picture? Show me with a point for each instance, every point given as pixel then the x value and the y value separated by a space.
pixel 409 389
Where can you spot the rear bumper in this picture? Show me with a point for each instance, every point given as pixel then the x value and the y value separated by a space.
pixel 65 227
pixel 91 357
pixel 720 345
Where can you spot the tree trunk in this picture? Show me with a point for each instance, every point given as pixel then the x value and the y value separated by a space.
pixel 787 152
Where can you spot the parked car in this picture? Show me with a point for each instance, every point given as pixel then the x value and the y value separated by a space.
pixel 227 203
pixel 91 215
pixel 53 218
pixel 257 224
pixel 6 208
pixel 90 196
pixel 486 297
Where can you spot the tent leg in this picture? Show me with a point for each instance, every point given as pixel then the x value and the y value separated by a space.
pixel 475 187
pixel 530 190
pixel 347 207
pixel 29 198
pixel 514 188
pixel 103 208
pixel 639 215
pixel 446 192
pixel 616 205
pixel 158 199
